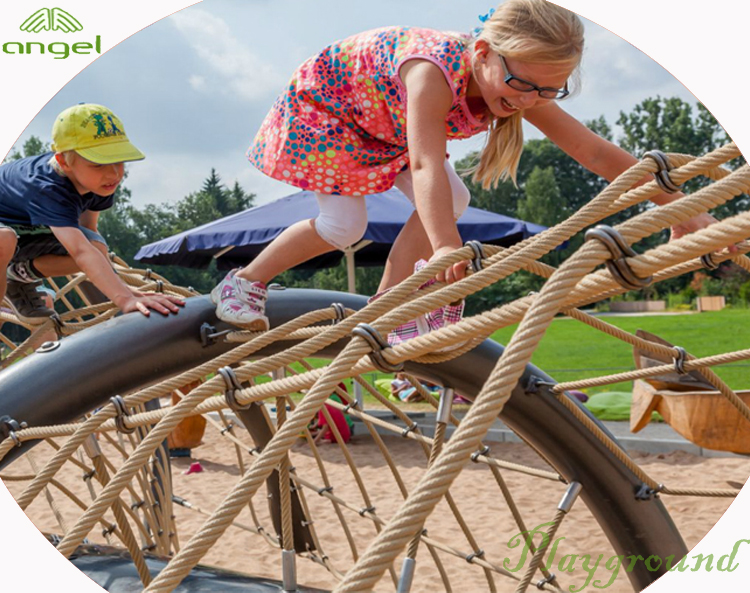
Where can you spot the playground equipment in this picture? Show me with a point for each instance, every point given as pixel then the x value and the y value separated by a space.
pixel 688 403
pixel 114 376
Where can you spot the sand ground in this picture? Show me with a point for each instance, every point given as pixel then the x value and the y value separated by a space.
pixel 476 495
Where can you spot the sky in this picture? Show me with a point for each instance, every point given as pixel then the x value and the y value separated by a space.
pixel 193 88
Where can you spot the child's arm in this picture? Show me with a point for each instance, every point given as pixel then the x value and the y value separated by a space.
pixel 428 101
pixel 599 155
pixel 90 220
pixel 320 434
pixel 95 265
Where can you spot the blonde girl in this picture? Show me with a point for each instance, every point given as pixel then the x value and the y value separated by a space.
pixel 376 110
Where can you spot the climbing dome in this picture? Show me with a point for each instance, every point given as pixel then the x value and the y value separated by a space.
pixel 89 399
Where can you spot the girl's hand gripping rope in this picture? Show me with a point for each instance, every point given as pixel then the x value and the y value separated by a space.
pixel 695 224
pixel 455 272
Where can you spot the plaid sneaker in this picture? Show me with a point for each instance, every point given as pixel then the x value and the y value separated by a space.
pixel 434 320
pixel 27 302
pixel 241 302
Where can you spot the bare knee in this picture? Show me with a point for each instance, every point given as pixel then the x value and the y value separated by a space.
pixel 8 242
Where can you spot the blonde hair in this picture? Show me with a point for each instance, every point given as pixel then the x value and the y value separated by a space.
pixel 534 31
pixel 68 155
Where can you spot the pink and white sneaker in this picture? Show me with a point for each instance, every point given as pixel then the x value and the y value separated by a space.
pixel 241 302
pixel 434 320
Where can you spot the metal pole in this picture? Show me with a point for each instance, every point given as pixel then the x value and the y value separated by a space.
pixel 444 407
pixel 351 284
pixel 288 555
pixel 349 252
pixel 358 396
pixel 289 570
pixel 407 575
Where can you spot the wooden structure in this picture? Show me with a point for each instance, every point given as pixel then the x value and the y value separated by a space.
pixel 188 434
pixel 689 404
pixel 710 303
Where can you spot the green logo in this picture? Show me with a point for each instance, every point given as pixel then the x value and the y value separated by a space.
pixel 55 19
pixel 52 19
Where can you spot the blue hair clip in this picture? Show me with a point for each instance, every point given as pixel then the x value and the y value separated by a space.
pixel 483 19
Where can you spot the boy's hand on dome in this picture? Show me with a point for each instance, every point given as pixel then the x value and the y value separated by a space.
pixel 144 302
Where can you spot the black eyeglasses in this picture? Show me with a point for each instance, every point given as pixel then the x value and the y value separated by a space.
pixel 525 86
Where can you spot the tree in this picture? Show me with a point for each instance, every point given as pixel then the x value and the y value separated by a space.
pixel 542 203
pixel 577 185
pixel 32 147
pixel 667 125
pixel 213 201
pixel 502 199
pixel 137 227
pixel 671 125
pixel 224 200
pixel 117 227
pixel 239 200
pixel 196 209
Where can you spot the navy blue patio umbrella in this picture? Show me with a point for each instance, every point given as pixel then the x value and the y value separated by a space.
pixel 236 239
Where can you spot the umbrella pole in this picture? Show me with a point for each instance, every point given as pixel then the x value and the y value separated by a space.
pixel 349 254
pixel 351 284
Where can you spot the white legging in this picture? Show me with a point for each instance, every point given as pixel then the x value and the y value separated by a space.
pixel 343 219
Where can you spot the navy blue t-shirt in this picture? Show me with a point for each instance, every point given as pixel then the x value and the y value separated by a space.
pixel 32 193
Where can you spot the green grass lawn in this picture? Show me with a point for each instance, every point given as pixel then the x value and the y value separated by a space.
pixel 571 350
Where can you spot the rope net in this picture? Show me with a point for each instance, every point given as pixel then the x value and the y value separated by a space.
pixel 112 465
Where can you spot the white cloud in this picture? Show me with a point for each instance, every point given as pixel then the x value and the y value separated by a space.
pixel 167 177
pixel 236 69
pixel 197 82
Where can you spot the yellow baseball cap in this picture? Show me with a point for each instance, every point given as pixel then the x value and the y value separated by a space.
pixel 95 133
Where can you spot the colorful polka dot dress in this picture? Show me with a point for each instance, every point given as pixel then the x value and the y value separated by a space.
pixel 340 126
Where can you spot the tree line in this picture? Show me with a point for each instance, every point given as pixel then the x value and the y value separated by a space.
pixel 550 187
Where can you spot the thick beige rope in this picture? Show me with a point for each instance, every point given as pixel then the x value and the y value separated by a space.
pixel 522 257
pixel 479 418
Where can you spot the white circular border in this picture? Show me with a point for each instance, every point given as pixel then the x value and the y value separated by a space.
pixel 700 44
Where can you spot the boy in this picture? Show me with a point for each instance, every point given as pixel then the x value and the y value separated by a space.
pixel 49 208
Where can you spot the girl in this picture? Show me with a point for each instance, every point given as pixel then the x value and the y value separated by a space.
pixel 377 109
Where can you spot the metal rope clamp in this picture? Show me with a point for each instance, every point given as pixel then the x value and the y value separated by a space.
pixel 232 387
pixel 479 254
pixel 340 312
pixel 484 451
pixel 708 262
pixel 476 554
pixel 122 413
pixel 411 428
pixel 679 360
pixel 646 493
pixel 378 344
pixel 545 581
pixel 58 324
pixel 351 405
pixel 8 428
pixel 618 265
pixel 209 335
pixel 663 180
